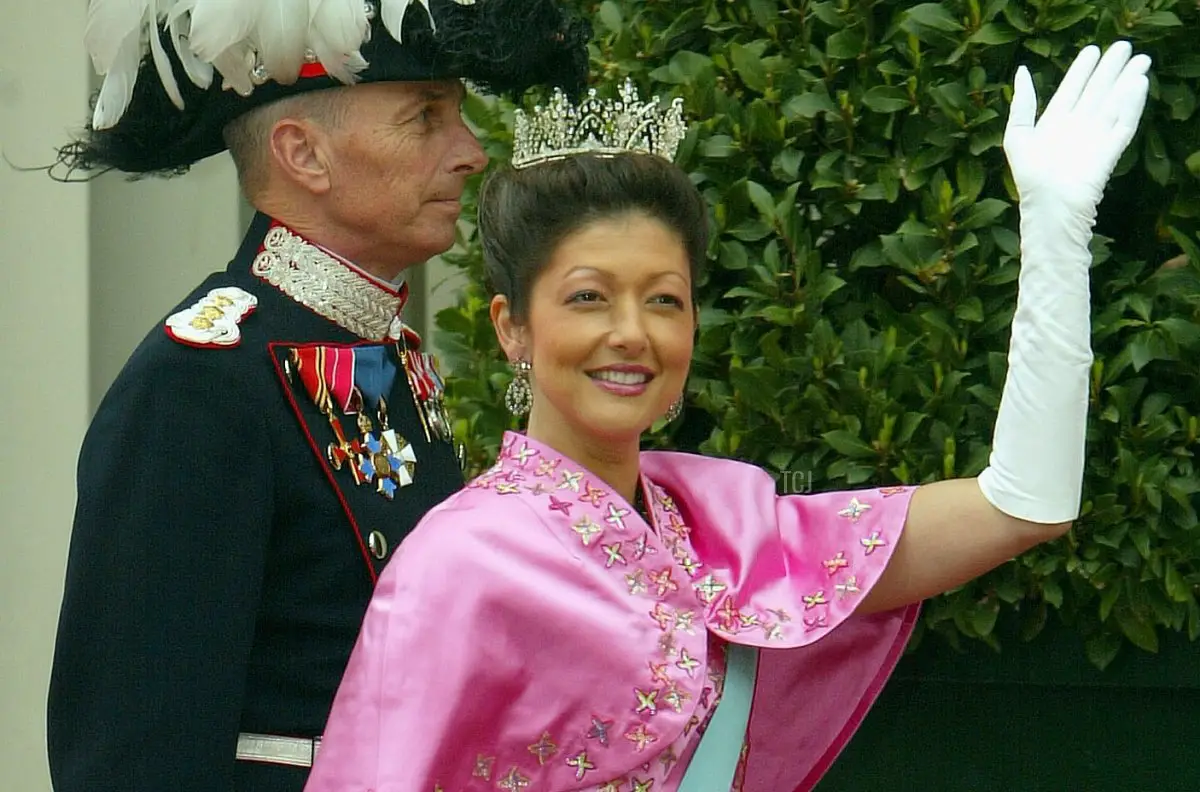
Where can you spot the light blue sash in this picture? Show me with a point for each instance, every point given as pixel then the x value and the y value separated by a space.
pixel 716 759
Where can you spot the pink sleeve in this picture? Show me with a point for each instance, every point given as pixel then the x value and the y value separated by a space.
pixel 785 569
pixel 786 574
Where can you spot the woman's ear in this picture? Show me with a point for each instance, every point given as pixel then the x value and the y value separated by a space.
pixel 509 332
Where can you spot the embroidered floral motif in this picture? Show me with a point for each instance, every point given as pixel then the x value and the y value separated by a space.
pixel 546 468
pixel 708 588
pixel 687 663
pixel 642 548
pixel 837 562
pixel 849 586
pixel 483 767
pixel 562 506
pixel 599 730
pixel 813 600
pixel 854 510
pixel 675 697
pixel 647 701
pixel 871 542
pixel 636 581
pixel 544 748
pixel 815 622
pixel 570 481
pixel 523 456
pixel 581 763
pixel 616 517
pixel 592 495
pixel 613 555
pixel 513 781
pixel 587 530
pixel 640 736
pixel 663 581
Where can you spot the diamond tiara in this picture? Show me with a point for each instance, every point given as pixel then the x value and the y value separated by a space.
pixel 597 126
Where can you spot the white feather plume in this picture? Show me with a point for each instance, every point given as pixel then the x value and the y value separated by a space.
pixel 117 89
pixel 162 64
pixel 198 71
pixel 109 23
pixel 236 65
pixel 282 35
pixel 392 12
pixel 219 25
pixel 337 30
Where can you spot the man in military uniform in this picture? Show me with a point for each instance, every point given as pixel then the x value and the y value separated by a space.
pixel 271 442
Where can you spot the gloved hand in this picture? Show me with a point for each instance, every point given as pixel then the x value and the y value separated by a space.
pixel 1060 165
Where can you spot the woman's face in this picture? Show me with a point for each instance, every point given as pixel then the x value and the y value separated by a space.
pixel 609 333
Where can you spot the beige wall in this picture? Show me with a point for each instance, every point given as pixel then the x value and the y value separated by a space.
pixel 87 270
pixel 43 364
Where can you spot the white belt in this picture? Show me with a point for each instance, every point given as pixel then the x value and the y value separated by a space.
pixel 295 751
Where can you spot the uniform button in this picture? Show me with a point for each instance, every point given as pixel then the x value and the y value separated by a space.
pixel 378 544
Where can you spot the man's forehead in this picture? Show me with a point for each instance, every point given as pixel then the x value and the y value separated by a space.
pixel 432 90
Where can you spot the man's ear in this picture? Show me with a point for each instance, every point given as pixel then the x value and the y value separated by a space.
pixel 510 333
pixel 301 153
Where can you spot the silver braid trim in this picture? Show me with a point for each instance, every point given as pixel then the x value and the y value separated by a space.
pixel 319 281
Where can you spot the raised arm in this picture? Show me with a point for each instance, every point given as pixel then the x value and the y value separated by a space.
pixel 1030 491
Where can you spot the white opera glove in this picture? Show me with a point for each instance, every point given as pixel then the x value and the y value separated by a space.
pixel 1060 166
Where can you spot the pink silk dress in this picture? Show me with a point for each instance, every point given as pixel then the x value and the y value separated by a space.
pixel 535 634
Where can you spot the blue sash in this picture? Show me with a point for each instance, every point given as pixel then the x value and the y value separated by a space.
pixel 716 759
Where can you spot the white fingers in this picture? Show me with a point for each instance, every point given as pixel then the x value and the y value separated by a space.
pixel 1023 111
pixel 1097 94
pixel 1073 83
pixel 1129 98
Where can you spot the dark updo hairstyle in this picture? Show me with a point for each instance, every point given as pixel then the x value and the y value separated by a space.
pixel 524 214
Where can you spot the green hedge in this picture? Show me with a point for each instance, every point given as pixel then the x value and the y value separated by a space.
pixel 862 278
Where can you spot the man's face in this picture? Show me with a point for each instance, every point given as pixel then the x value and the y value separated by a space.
pixel 397 168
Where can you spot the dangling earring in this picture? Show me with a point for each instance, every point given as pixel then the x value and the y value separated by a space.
pixel 519 396
pixel 675 410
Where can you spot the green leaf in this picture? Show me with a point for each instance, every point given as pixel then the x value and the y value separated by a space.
pixel 610 16
pixel 749 67
pixel 934 15
pixel 846 44
pixel 1158 165
pixel 1102 649
pixel 1139 632
pixel 886 99
pixel 983 214
pixel 1159 19
pixel 762 200
pixel 994 33
pixel 808 105
pixel 848 444
pixel 1063 17
pixel 983 619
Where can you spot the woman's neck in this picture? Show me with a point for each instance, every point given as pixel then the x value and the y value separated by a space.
pixel 616 464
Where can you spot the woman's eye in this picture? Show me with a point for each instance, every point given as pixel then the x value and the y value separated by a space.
pixel 585 296
pixel 668 299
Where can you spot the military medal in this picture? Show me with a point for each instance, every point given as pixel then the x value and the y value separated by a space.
pixel 387 459
pixel 428 390
pixel 352 380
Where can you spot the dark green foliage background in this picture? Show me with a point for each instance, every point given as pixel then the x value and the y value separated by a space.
pixel 854 318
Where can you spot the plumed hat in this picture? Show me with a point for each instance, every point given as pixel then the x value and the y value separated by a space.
pixel 176 72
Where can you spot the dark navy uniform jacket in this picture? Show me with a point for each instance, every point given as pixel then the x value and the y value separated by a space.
pixel 219 565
